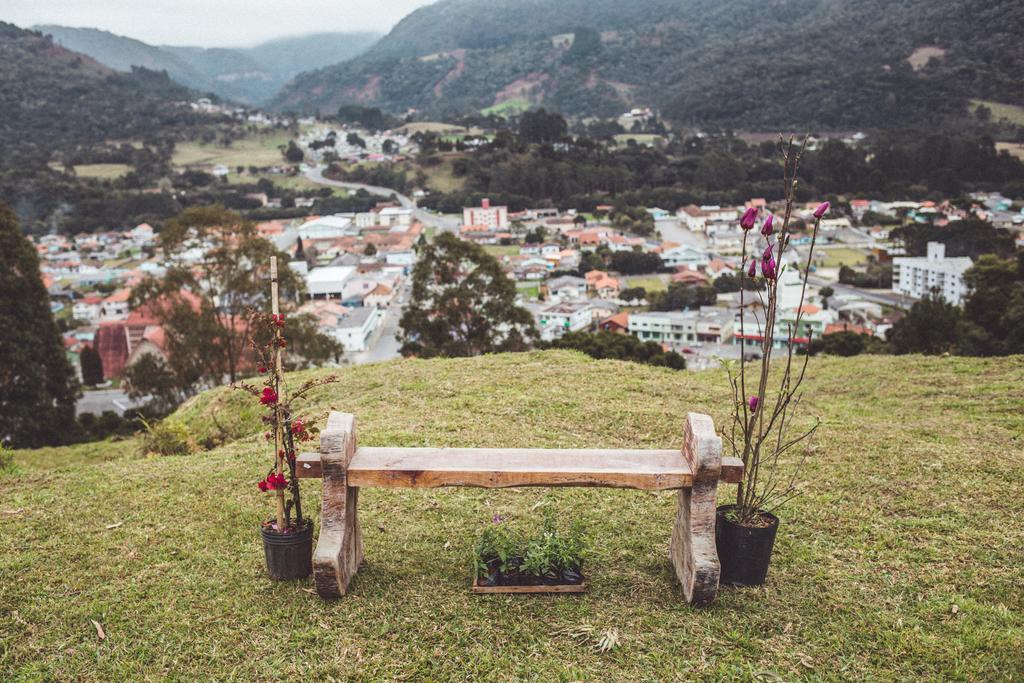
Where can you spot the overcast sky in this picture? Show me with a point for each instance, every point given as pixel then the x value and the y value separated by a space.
pixel 211 23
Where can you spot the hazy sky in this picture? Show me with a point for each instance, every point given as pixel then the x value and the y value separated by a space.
pixel 211 22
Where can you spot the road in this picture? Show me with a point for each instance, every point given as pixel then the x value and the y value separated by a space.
pixel 439 222
pixel 384 344
pixel 100 400
pixel 879 297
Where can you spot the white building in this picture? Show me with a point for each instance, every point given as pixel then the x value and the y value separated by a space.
pixel 684 255
pixel 328 282
pixel 356 328
pixel 683 328
pixel 917 276
pixel 329 227
pixel 494 217
pixel 565 317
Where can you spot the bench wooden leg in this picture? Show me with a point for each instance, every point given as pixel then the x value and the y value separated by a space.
pixel 692 548
pixel 339 550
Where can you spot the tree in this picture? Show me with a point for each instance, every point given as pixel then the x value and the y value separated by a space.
pixel 92 366
pixel 681 295
pixel 294 153
pixel 636 262
pixel 992 309
pixel 37 384
pixel 620 347
pixel 541 126
pixel 370 250
pixel 462 304
pixel 205 306
pixel 931 327
pixel 354 140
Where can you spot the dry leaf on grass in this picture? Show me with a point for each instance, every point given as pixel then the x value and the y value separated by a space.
pixel 100 633
pixel 114 526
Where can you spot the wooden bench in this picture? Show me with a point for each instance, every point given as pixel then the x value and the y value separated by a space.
pixel 695 471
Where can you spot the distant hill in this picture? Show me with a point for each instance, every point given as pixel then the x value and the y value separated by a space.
pixel 825 64
pixel 250 75
pixel 55 103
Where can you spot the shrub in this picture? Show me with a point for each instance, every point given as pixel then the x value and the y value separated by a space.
pixel 7 463
pixel 504 556
pixel 166 438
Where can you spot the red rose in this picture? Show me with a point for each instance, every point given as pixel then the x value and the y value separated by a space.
pixel 282 343
pixel 298 428
pixel 269 397
pixel 262 369
pixel 262 485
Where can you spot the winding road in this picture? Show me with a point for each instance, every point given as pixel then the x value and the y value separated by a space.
pixel 439 222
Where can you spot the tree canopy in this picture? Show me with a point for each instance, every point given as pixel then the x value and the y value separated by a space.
pixel 462 304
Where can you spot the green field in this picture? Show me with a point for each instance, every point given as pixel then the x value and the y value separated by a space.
pixel 900 561
pixel 100 171
pixel 510 107
pixel 441 177
pixel 842 256
pixel 641 138
pixel 257 150
pixel 299 183
pixel 499 250
pixel 652 283
pixel 1012 113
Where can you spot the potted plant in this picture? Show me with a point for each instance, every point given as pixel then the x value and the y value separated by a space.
pixel 765 401
pixel 288 535
pixel 506 561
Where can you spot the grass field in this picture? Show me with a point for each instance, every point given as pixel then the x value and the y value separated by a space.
pixel 441 177
pixel 842 256
pixel 1013 113
pixel 257 150
pixel 902 560
pixel 299 182
pixel 652 283
pixel 510 107
pixel 100 171
pixel 641 138
pixel 499 250
pixel 1014 148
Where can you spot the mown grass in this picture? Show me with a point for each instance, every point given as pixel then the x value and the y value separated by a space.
pixel 1011 113
pixel 259 150
pixel 902 560
pixel 842 256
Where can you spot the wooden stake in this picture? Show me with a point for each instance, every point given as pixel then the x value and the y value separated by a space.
pixel 278 434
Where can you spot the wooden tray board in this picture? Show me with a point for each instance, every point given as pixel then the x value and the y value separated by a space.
pixel 555 588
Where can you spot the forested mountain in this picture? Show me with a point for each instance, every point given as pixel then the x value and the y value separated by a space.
pixel 56 105
pixel 825 64
pixel 250 75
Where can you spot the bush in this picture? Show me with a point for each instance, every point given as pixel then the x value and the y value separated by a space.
pixel 7 464
pixel 504 556
pixel 166 438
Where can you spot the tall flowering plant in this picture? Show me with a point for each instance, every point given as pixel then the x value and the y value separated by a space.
pixel 284 427
pixel 764 406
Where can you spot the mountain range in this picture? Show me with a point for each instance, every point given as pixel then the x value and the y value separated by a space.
pixel 831 64
pixel 250 75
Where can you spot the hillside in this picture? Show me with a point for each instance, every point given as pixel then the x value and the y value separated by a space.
pixel 901 559
pixel 250 75
pixel 831 64
pixel 57 103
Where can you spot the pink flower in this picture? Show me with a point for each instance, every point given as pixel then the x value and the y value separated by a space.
pixel 821 210
pixel 749 216
pixel 767 255
pixel 269 397
pixel 768 269
pixel 766 229
pixel 752 271
pixel 297 427
pixel 753 403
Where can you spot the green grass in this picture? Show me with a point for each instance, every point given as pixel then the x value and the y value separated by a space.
pixel 499 250
pixel 641 138
pixel 1014 114
pixel 842 256
pixel 911 507
pixel 256 150
pixel 509 107
pixel 652 283
pixel 299 183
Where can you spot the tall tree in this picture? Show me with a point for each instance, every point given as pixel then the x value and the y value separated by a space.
pixel 462 304
pixel 92 366
pixel 930 326
pixel 37 384
pixel 218 275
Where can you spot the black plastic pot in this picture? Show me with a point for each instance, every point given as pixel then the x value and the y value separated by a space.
pixel 289 556
pixel 744 551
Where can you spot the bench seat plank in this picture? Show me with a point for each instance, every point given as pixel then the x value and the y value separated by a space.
pixel 650 470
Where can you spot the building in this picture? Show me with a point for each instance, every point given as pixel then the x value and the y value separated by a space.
pixel 565 317
pixel 356 328
pixel 328 282
pixel 684 255
pixel 565 287
pixel 602 284
pixel 494 217
pixel 917 276
pixel 328 227
pixel 677 329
